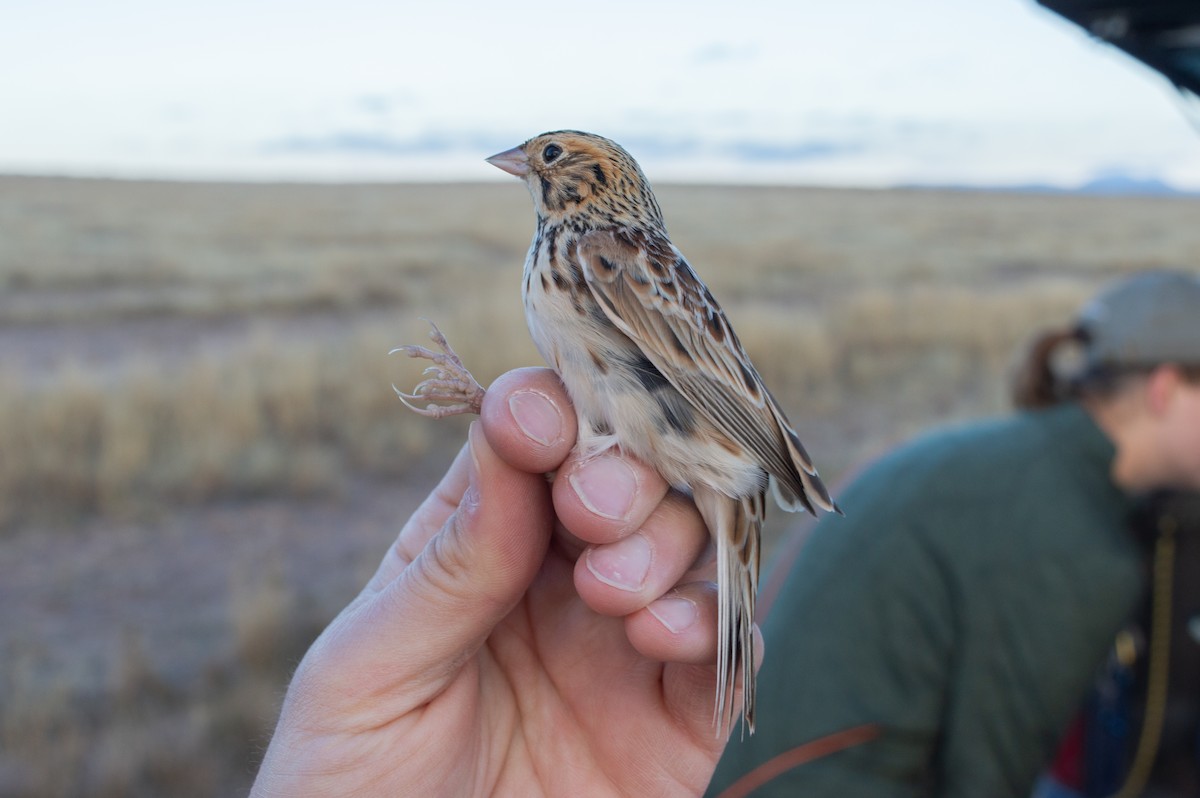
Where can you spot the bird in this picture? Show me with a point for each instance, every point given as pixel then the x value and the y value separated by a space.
pixel 652 366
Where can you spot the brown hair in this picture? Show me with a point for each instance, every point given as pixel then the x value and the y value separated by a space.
pixel 1036 383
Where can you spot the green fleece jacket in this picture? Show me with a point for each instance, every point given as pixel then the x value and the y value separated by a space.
pixel 945 630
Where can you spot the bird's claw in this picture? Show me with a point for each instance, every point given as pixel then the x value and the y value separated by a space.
pixel 451 390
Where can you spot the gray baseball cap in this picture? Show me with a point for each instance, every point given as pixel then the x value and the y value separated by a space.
pixel 1144 320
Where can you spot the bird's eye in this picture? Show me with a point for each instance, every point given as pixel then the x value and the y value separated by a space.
pixel 551 152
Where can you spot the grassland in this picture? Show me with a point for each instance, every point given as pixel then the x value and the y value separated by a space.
pixel 200 454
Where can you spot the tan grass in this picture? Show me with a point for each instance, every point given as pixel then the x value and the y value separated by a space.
pixel 286 416
pixel 145 738
pixel 835 294
pixel 870 314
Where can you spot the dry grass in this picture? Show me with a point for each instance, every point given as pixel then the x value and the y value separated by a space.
pixel 274 416
pixel 836 294
pixel 144 736
pixel 168 346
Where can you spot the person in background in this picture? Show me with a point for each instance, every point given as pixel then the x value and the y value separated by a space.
pixel 937 640
pixel 1138 730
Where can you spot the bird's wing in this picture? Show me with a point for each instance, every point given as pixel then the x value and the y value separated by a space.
pixel 651 294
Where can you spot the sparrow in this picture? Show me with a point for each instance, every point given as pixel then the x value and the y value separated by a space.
pixel 652 366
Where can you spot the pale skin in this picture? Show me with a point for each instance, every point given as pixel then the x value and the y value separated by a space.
pixel 1155 425
pixel 520 637
pixel 496 652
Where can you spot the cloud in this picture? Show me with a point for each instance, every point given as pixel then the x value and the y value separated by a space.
pixel 724 53
pixel 365 142
pixel 362 142
pixel 651 146
pixel 383 104
pixel 752 150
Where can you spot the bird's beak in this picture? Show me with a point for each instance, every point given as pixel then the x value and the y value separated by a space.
pixel 513 161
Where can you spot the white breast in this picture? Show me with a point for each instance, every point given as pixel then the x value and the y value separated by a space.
pixel 613 407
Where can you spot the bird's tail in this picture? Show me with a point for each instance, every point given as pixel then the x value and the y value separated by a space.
pixel 736 524
pixel 802 489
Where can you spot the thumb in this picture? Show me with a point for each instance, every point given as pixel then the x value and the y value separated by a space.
pixel 423 625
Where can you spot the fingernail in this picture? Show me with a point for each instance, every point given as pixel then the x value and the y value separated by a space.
pixel 606 486
pixel 537 416
pixel 470 497
pixel 674 612
pixel 624 564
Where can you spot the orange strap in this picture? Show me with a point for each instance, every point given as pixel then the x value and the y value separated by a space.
pixel 801 754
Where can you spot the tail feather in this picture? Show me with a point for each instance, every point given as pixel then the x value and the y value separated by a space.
pixel 736 524
pixel 812 492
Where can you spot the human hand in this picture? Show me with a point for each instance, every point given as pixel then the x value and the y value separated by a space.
pixel 497 652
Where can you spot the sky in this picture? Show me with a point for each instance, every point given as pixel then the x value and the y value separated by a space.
pixel 842 92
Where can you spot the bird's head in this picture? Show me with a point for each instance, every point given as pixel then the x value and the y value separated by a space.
pixel 574 175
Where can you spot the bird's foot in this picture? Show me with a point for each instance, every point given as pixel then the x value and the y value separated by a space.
pixel 450 389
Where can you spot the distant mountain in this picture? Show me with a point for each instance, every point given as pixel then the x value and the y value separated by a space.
pixel 1124 184
pixel 1105 184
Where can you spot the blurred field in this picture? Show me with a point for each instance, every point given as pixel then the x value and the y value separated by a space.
pixel 201 457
